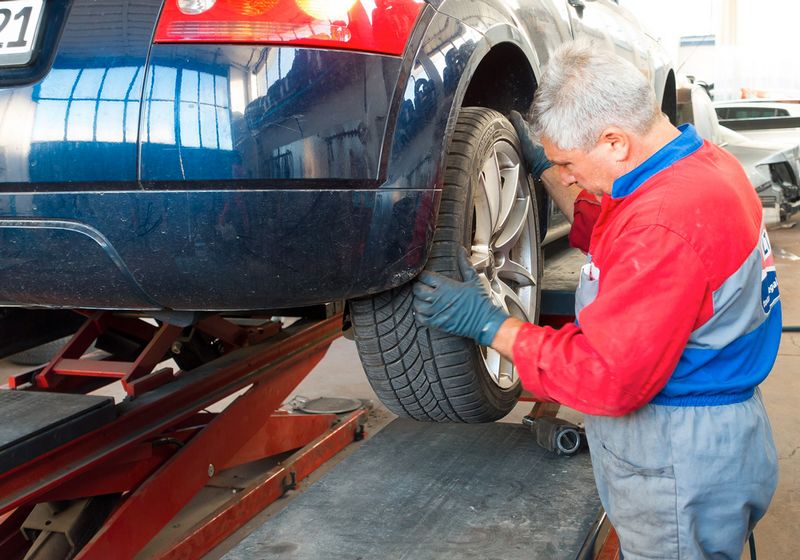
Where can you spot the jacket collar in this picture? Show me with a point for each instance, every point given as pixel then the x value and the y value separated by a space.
pixel 685 144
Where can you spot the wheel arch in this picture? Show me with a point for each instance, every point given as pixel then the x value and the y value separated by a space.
pixel 502 57
pixel 517 69
pixel 453 66
pixel 669 99
pixel 481 56
pixel 506 61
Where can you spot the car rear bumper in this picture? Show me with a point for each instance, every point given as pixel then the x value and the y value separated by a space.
pixel 222 177
pixel 210 250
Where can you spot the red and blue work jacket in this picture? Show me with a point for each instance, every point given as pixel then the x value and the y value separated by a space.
pixel 679 302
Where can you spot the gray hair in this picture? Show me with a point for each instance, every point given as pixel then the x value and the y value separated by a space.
pixel 584 90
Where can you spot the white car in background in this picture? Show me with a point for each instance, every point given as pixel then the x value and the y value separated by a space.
pixel 773 168
pixel 762 119
pixel 756 109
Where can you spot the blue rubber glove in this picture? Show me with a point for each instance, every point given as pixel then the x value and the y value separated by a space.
pixel 461 308
pixel 532 151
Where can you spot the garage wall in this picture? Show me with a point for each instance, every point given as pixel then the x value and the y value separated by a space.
pixel 736 44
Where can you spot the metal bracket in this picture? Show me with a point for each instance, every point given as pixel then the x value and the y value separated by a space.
pixel 59 530
pixel 289 482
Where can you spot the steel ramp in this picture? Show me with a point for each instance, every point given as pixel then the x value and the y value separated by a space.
pixel 33 423
pixel 438 491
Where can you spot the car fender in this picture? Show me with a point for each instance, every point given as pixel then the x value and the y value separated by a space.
pixel 496 35
pixel 428 99
pixel 431 90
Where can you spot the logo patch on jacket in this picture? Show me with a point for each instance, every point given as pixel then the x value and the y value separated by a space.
pixel 769 280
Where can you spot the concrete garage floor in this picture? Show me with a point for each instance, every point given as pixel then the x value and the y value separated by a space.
pixel 776 535
pixel 340 374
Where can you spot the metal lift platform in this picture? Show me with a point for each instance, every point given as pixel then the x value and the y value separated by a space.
pixel 442 492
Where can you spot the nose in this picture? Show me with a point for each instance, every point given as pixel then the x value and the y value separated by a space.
pixel 566 177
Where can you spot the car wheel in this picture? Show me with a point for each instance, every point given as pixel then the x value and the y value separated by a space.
pixel 42 354
pixel 489 207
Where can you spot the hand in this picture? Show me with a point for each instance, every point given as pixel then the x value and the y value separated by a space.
pixel 461 308
pixel 532 151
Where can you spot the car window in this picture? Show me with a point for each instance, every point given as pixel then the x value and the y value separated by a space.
pixel 752 112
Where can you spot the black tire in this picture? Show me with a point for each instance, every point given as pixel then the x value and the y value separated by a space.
pixel 39 354
pixel 424 373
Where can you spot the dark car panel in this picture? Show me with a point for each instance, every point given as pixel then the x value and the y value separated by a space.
pixel 610 26
pixel 456 48
pixel 210 249
pixel 79 123
pixel 426 103
pixel 607 24
pixel 244 112
pixel 537 27
pixel 52 261
pixel 287 188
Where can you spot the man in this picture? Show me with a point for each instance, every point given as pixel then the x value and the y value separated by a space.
pixel 678 317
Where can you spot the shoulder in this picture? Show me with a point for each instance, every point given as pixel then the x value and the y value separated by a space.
pixel 707 200
pixel 708 193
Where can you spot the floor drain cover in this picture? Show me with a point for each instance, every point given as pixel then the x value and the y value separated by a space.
pixel 329 405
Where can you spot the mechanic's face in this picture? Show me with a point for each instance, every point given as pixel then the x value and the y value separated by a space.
pixel 594 170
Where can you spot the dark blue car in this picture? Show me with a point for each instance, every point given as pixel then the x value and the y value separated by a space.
pixel 234 156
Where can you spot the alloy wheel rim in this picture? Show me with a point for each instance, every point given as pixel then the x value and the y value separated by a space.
pixel 503 249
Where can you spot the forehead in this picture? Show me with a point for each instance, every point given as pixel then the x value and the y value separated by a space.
pixel 558 155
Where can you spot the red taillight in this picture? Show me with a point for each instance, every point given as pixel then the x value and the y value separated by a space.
pixel 381 26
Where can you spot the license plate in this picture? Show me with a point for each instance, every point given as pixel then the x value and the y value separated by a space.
pixel 19 27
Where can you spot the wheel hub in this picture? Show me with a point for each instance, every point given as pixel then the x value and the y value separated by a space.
pixel 490 267
pixel 504 246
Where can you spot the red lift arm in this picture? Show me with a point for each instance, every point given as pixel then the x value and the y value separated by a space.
pixel 162 448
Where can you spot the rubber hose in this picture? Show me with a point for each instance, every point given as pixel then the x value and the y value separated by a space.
pixel 791 328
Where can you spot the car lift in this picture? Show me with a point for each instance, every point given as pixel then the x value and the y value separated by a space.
pixel 84 477
pixel 147 456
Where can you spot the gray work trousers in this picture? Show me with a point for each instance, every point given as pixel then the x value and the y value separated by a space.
pixel 684 482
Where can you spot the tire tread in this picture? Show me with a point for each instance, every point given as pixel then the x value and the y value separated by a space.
pixel 423 374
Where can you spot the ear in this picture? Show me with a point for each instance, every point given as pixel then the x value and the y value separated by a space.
pixel 616 142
